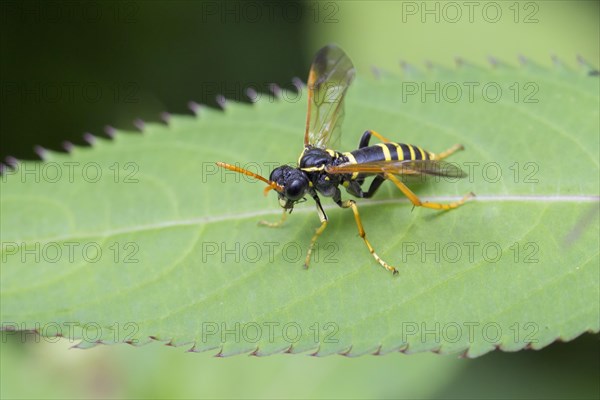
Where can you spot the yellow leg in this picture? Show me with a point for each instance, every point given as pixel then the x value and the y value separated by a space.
pixel 380 137
pixel 449 152
pixel 418 203
pixel 312 242
pixel 275 224
pixel 363 235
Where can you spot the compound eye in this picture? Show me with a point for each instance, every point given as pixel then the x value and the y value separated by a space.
pixel 295 189
pixel 276 175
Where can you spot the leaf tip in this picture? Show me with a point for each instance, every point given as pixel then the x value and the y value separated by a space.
pixel 11 161
pixel 298 84
pixel 275 89
pixel 316 352
pixel 67 146
pixel 289 350
pixel 110 131
pixel 165 117
pixel 89 138
pixel 194 107
pixel 254 353
pixel 221 101
pixel 556 61
pixel 522 59
pixel 529 345
pixel 82 345
pixel 493 61
pixel 139 124
pixel 252 95
pixel 406 67
pixel 376 72
pixel 219 354
pixel 591 70
pixel 192 349
pixel 377 352
pixel 404 349
pixel 41 152
pixel 346 353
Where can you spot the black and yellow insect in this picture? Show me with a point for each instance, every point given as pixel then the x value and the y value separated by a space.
pixel 322 170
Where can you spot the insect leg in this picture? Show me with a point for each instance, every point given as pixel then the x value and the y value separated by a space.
pixel 449 152
pixel 363 234
pixel 364 142
pixel 374 186
pixel 366 137
pixel 355 190
pixel 275 224
pixel 418 203
pixel 320 229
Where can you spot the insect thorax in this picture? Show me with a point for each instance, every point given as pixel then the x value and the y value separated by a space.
pixel 313 162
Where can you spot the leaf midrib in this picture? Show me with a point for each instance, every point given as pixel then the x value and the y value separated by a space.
pixel 582 198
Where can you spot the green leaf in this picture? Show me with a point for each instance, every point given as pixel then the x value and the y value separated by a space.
pixel 142 238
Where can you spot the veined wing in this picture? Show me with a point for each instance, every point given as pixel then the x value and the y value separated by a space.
pixel 328 80
pixel 397 167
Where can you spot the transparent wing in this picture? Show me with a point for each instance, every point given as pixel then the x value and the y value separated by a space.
pixel 408 167
pixel 328 80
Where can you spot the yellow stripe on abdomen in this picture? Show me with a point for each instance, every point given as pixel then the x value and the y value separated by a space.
pixel 386 152
pixel 351 160
pixel 399 151
pixel 412 151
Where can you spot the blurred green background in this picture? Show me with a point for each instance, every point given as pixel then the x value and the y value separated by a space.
pixel 72 67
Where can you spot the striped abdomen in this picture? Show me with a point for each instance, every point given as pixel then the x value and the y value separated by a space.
pixel 388 152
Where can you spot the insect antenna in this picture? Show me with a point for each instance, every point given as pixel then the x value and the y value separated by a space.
pixel 272 185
